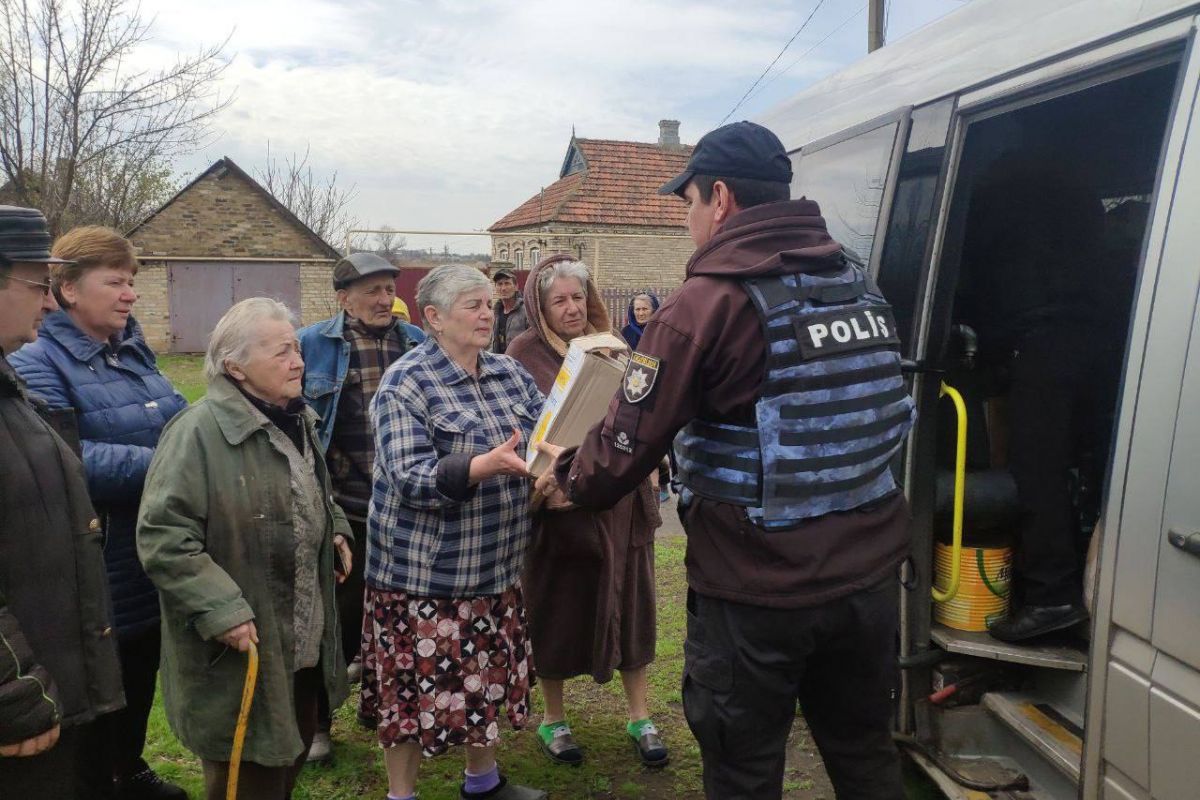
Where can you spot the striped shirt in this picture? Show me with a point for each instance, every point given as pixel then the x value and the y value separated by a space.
pixel 428 533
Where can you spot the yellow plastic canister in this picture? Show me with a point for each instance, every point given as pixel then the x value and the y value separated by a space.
pixel 983 589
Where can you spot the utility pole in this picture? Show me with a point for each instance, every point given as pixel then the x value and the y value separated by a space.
pixel 874 25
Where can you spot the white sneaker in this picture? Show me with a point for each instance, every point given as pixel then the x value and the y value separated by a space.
pixel 321 748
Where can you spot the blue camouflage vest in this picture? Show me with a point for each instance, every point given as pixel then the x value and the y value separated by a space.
pixel 833 408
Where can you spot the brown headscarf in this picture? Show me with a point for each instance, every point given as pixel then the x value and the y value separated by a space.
pixel 598 316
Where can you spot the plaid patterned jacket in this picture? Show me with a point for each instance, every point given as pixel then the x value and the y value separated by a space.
pixel 428 532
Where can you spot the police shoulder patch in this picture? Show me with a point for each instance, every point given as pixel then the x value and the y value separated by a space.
pixel 640 375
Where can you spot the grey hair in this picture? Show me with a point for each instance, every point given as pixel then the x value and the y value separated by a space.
pixel 234 334
pixel 563 269
pixel 644 296
pixel 445 284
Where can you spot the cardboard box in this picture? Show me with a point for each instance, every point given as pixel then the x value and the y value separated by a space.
pixel 589 377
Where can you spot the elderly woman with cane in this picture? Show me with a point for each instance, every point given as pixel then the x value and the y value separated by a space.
pixel 589 579
pixel 239 532
pixel 445 648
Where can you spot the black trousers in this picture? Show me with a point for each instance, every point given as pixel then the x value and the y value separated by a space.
pixel 53 775
pixel 350 612
pixel 745 668
pixel 1063 393
pixel 114 742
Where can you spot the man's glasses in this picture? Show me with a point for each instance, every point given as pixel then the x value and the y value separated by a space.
pixel 45 287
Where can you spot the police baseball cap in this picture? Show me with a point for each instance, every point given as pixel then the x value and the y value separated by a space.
pixel 738 150
pixel 359 265
pixel 24 236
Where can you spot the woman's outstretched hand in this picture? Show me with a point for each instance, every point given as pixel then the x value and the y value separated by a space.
pixel 501 460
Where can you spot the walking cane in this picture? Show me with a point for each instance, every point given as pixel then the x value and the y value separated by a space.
pixel 239 732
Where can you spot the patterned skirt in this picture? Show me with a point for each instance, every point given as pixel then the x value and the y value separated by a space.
pixel 439 671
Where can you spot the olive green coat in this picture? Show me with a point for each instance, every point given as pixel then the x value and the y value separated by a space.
pixel 215 535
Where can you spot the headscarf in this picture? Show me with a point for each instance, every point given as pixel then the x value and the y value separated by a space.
pixel 400 309
pixel 632 330
pixel 597 314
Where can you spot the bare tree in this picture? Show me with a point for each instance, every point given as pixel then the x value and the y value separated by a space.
pixel 388 242
pixel 70 98
pixel 322 206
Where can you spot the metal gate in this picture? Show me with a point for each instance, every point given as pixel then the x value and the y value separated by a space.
pixel 202 291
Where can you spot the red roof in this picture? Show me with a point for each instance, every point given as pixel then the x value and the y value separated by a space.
pixel 617 186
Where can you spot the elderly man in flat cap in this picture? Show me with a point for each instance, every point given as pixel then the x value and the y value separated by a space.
pixel 58 656
pixel 344 359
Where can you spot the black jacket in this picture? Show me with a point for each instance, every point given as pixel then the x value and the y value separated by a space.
pixel 58 654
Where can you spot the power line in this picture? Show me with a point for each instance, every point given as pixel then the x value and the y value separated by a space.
pixel 805 54
pixel 773 63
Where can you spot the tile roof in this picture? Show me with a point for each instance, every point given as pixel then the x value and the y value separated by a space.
pixel 619 186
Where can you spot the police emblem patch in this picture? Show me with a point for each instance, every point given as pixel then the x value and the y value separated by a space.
pixel 640 375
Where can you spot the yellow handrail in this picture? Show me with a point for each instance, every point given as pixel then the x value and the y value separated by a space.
pixel 239 732
pixel 960 487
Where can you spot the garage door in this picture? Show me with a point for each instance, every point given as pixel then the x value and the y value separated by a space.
pixel 202 291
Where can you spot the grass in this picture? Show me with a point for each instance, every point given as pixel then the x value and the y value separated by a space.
pixel 186 372
pixel 596 713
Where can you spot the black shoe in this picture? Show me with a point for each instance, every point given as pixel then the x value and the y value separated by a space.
pixel 562 748
pixel 650 748
pixel 1033 621
pixel 505 791
pixel 146 785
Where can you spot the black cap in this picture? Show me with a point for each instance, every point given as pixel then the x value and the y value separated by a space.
pixel 24 236
pixel 738 150
pixel 359 265
pixel 503 272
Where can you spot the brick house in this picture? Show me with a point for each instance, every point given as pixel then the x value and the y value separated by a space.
pixel 607 190
pixel 221 239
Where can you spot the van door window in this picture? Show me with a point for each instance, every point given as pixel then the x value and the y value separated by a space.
pixel 847 180
pixel 905 247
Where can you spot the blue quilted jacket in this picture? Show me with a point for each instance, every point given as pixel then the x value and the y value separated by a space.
pixel 122 402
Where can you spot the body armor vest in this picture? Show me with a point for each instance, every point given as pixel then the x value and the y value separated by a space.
pixel 832 412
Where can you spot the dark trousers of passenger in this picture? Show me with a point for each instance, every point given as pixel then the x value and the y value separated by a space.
pixel 350 612
pixel 57 774
pixel 256 782
pixel 1063 390
pixel 115 741
pixel 745 668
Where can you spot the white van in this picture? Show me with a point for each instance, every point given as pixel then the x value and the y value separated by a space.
pixel 895 148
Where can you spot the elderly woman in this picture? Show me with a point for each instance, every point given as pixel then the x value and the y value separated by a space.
pixel 445 650
pixel 91 357
pixel 238 530
pixel 641 307
pixel 589 580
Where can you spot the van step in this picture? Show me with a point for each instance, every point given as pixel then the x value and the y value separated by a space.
pixel 1043 727
pixel 1060 654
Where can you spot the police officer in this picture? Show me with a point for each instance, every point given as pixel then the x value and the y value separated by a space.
pixel 776 364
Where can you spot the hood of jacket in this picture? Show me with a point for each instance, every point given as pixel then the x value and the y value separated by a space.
pixel 771 239
pixel 597 314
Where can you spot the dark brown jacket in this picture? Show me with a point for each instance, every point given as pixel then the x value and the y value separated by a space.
pixel 712 361
pixel 589 575
pixel 58 655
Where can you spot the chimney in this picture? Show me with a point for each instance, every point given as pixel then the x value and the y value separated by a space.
pixel 668 134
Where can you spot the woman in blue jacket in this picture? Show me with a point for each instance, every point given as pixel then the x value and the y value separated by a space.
pixel 641 308
pixel 91 357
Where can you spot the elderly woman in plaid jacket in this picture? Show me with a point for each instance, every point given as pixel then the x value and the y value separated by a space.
pixel 445 649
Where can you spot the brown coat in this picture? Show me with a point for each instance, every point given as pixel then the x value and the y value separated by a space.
pixel 589 575
pixel 712 361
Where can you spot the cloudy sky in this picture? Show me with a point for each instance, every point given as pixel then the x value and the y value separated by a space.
pixel 446 114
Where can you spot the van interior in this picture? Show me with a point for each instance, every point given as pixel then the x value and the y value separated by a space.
pixel 1042 256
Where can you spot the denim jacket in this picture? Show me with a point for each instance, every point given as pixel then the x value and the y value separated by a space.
pixel 326 359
